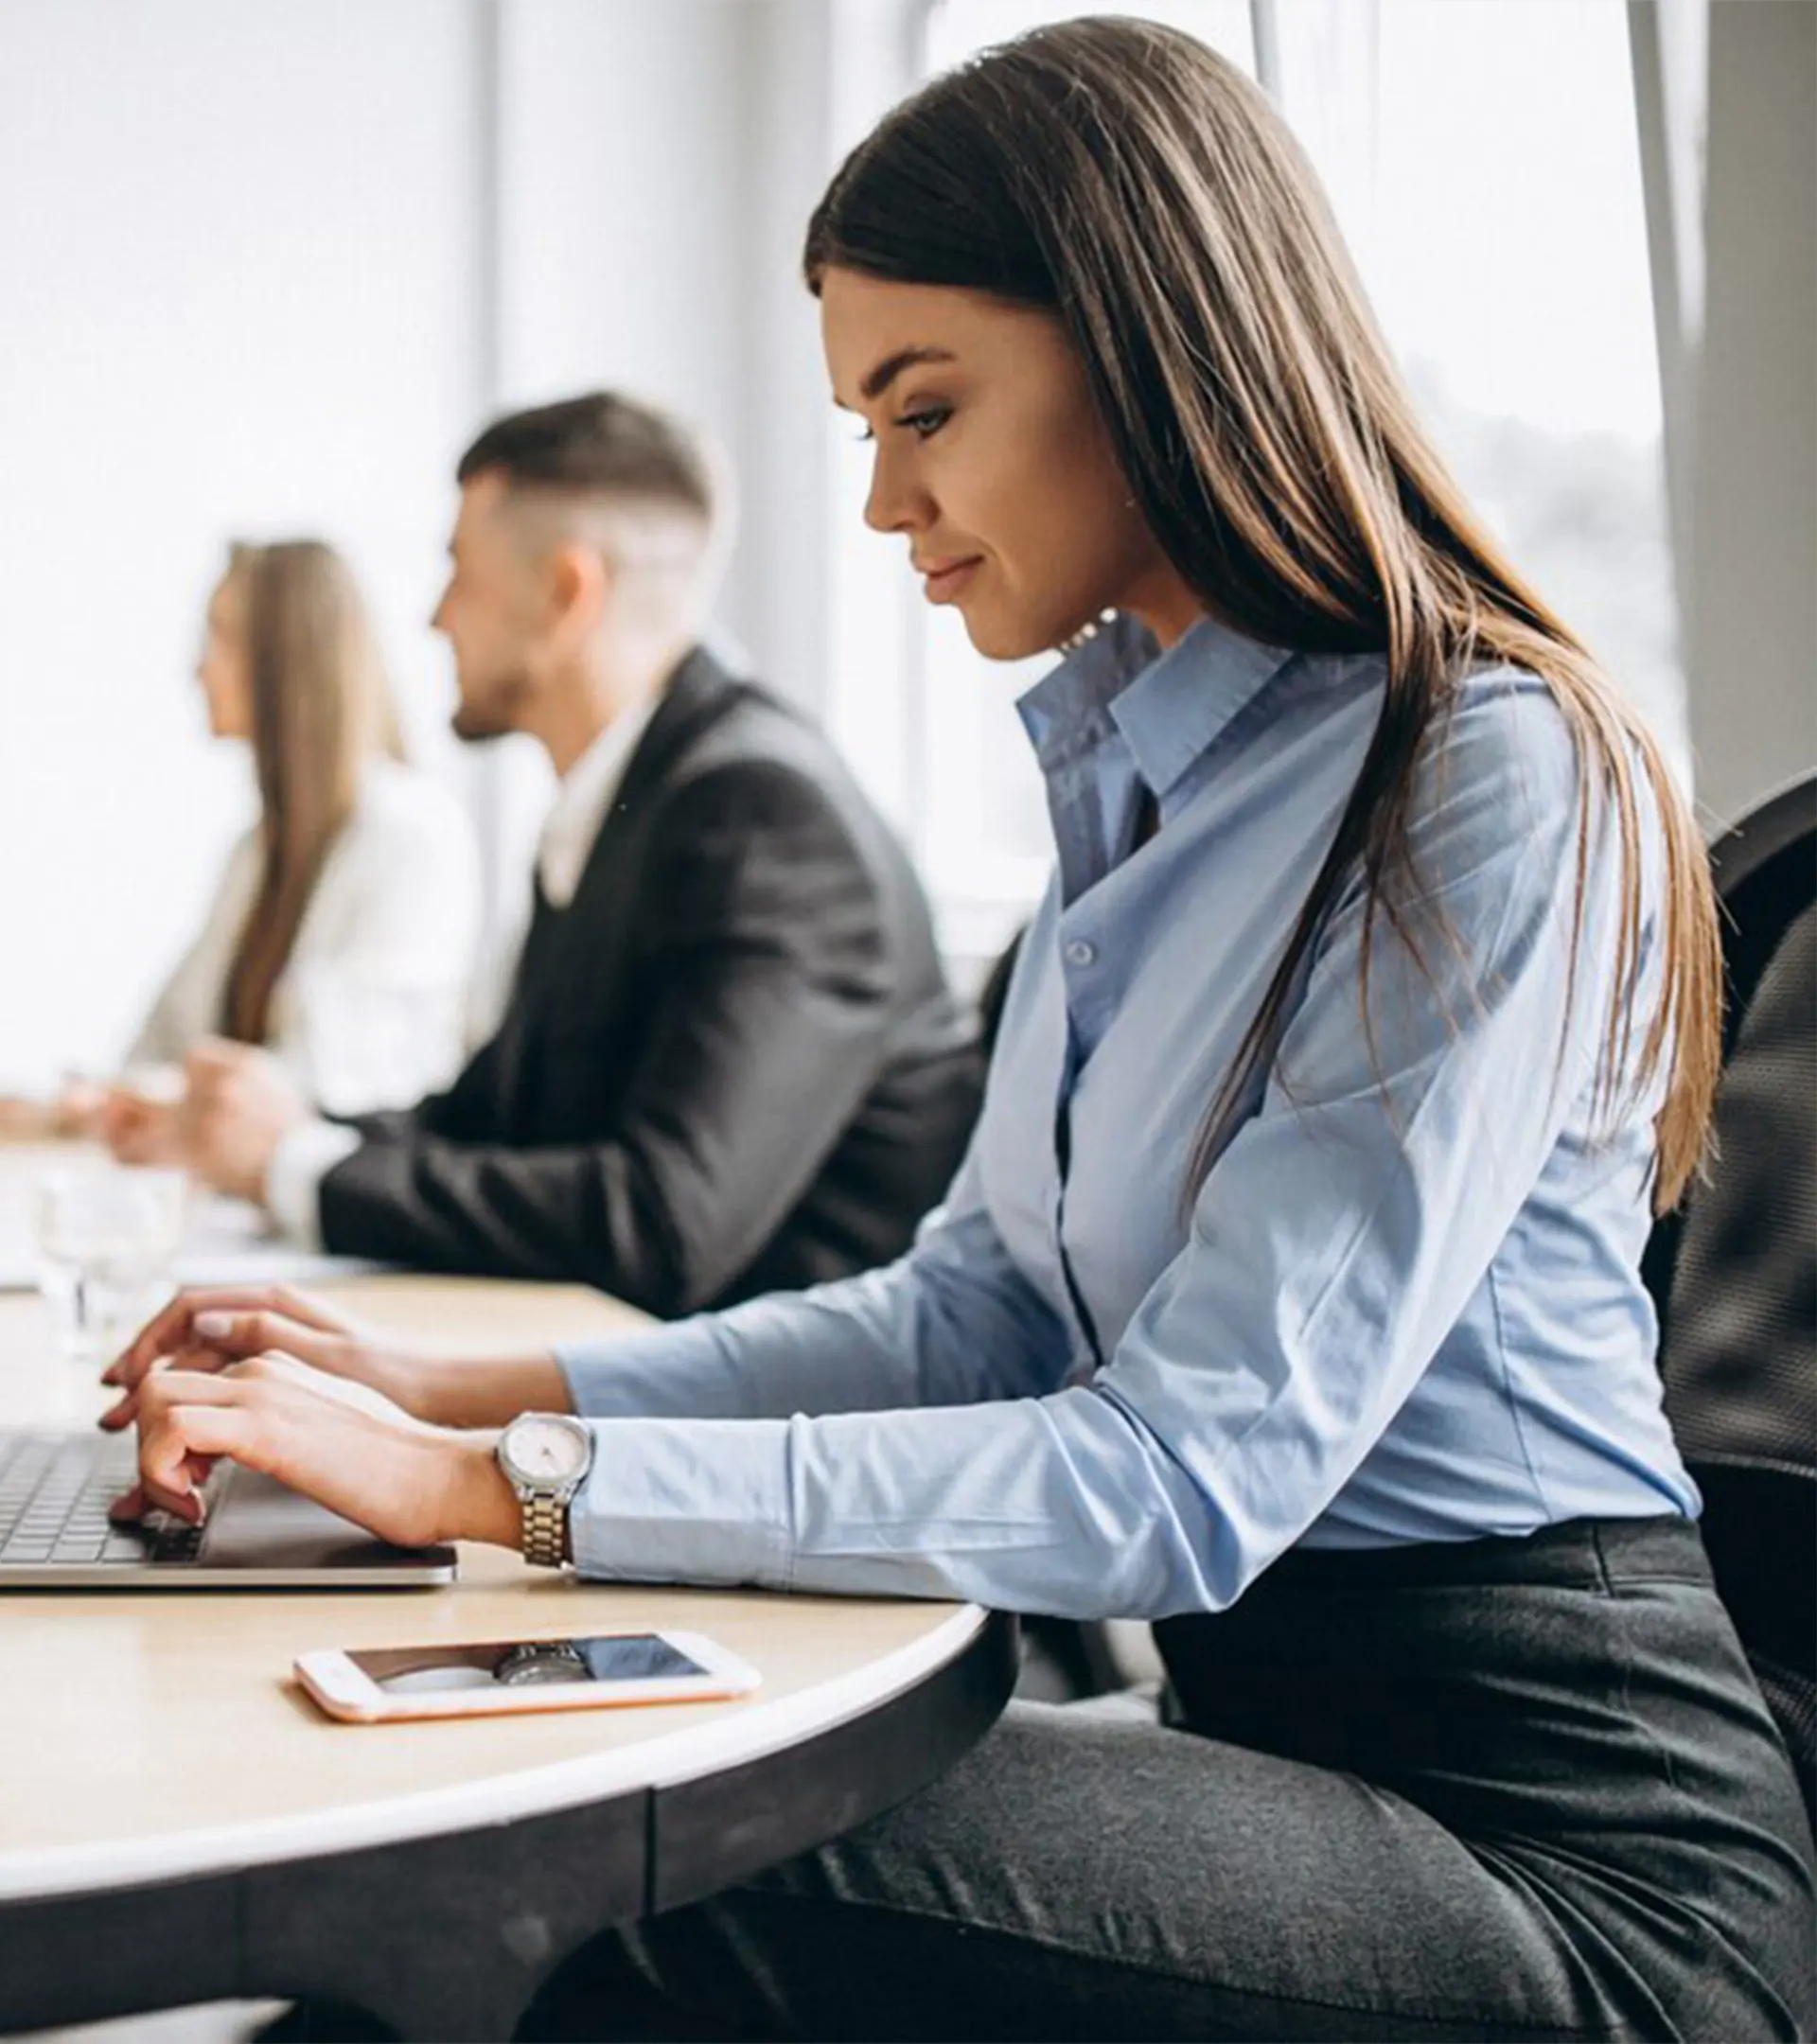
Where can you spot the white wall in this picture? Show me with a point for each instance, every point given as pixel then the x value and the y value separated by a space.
pixel 619 206
pixel 616 260
pixel 235 300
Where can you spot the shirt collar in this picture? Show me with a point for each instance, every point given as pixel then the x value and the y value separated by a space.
pixel 1169 706
pixel 584 799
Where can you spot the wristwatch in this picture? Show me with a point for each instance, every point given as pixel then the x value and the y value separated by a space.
pixel 545 1457
pixel 531 1662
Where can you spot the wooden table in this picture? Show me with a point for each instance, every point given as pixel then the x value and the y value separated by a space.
pixel 178 1823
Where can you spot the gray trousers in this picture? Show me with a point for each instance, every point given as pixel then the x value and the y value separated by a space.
pixel 1521 1790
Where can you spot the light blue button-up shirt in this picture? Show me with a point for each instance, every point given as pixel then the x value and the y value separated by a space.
pixel 1402 1306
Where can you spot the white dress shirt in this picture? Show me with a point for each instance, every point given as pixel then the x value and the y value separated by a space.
pixel 583 802
pixel 587 792
pixel 368 1010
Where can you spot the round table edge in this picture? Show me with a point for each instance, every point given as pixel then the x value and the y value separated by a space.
pixel 689 1754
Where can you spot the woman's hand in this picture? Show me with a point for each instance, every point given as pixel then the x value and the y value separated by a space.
pixel 27 1120
pixel 204 1332
pixel 338 1443
pixel 210 1330
pixel 74 1115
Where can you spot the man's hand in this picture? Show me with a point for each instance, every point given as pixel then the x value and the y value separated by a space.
pixel 335 1442
pixel 140 1130
pixel 210 1329
pixel 239 1105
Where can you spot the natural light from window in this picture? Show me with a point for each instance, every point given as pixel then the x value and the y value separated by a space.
pixel 1482 156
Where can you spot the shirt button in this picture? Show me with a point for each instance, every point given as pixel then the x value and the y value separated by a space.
pixel 1081 953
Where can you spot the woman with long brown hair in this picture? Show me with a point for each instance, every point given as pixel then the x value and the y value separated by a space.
pixel 1289 1297
pixel 341 933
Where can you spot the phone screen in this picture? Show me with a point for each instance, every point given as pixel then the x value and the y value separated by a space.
pixel 614 1657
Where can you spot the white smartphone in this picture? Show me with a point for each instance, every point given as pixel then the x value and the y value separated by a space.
pixel 586 1671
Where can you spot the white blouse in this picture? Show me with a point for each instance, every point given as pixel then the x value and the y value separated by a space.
pixel 369 1010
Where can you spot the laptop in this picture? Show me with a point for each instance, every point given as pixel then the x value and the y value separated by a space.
pixel 56 1485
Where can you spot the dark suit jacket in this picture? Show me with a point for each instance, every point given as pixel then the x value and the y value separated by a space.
pixel 731 1065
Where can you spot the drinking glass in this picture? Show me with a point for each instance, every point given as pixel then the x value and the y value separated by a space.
pixel 108 1238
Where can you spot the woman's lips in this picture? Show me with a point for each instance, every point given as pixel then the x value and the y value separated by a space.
pixel 942 581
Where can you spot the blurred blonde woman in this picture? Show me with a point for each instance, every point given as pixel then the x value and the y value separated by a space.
pixel 341 935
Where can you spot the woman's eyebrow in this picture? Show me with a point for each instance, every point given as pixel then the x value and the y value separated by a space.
pixel 891 367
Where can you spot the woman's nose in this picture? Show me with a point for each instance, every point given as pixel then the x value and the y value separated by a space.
pixel 896 502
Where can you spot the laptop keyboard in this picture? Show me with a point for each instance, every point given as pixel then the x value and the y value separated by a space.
pixel 55 1490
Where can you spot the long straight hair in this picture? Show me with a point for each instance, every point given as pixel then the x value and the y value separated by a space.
pixel 321 710
pixel 1124 177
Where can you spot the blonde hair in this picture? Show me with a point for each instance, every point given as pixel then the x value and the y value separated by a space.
pixel 321 710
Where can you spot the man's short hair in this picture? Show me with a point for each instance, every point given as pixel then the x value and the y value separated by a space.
pixel 601 444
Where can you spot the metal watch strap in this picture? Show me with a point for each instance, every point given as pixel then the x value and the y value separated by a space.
pixel 545 1529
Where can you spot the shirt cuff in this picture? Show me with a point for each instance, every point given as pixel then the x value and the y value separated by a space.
pixel 303 1159
pixel 689 1501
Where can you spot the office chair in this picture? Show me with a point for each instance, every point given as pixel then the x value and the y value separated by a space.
pixel 1735 1275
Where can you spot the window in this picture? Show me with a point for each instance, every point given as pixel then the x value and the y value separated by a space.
pixel 1483 158
pixel 1515 288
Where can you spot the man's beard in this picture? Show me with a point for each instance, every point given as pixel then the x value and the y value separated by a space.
pixel 496 715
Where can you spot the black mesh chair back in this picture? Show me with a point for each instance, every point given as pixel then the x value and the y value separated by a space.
pixel 1736 1273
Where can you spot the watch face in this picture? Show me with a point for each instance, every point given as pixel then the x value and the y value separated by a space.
pixel 545 1451
pixel 527 1665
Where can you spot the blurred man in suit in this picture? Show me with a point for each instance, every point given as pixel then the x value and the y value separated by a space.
pixel 730 1062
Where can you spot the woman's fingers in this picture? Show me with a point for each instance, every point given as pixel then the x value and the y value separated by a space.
pixel 125 1409
pixel 128 1505
pixel 235 1336
pixel 167 1331
pixel 175 1454
pixel 213 1357
pixel 148 1495
pixel 188 1420
pixel 203 1351
pixel 175 1328
pixel 308 1311
pixel 359 1457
